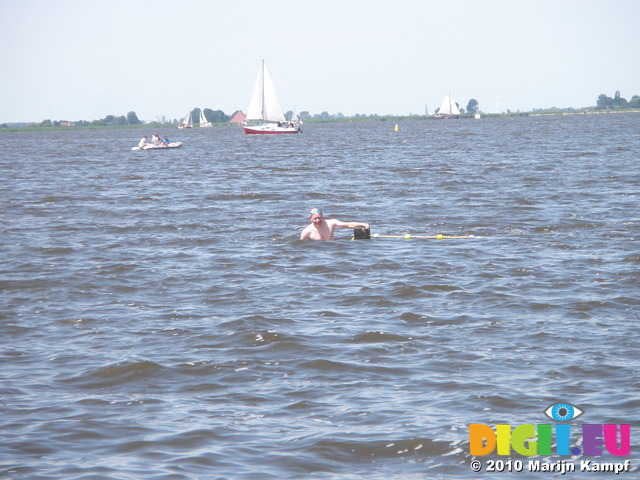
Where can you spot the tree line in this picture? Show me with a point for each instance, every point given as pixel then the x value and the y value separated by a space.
pixel 213 116
pixel 617 102
pixel 604 102
pixel 130 119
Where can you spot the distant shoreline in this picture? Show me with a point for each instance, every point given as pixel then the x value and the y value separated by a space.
pixel 30 127
pixel 583 112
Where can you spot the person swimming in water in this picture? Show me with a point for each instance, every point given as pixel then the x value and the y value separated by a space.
pixel 322 229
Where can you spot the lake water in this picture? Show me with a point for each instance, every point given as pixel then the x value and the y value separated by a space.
pixel 160 319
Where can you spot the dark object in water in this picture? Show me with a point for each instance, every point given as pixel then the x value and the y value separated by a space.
pixel 361 233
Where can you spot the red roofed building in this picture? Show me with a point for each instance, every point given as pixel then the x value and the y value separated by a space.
pixel 238 117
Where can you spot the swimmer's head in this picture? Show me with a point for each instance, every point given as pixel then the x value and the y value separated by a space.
pixel 315 215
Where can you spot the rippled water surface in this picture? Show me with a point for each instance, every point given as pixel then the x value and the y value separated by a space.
pixel 161 320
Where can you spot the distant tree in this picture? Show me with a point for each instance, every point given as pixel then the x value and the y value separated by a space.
pixel 46 123
pixel 634 102
pixel 472 106
pixel 109 120
pixel 216 116
pixel 132 118
pixel 195 115
pixel 305 115
pixel 618 101
pixel 604 102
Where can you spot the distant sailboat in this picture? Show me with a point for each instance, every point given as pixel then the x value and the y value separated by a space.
pixel 203 120
pixel 187 122
pixel 264 115
pixel 448 109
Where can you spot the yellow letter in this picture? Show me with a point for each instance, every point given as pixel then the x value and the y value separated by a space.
pixel 503 432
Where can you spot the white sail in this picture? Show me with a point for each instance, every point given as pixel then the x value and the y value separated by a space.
pixel 454 108
pixel 203 120
pixel 448 107
pixel 254 111
pixel 187 122
pixel 264 103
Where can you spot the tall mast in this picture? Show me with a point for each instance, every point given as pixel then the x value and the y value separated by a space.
pixel 263 104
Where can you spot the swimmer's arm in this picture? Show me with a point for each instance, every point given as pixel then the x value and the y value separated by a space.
pixel 351 225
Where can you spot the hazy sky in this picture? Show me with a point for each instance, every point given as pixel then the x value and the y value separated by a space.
pixel 85 59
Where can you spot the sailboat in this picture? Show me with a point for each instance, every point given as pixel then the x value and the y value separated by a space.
pixel 448 109
pixel 187 122
pixel 264 115
pixel 203 120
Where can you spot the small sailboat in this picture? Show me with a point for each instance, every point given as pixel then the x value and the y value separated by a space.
pixel 264 115
pixel 187 122
pixel 448 109
pixel 203 120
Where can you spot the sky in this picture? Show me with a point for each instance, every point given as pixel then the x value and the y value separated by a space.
pixel 86 59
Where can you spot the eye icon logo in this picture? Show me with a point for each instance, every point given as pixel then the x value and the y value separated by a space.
pixel 563 412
